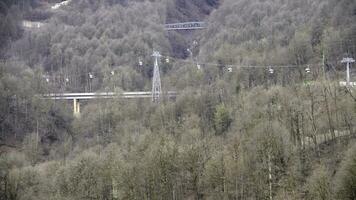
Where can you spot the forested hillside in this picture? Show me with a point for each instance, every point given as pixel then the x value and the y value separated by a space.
pixel 259 114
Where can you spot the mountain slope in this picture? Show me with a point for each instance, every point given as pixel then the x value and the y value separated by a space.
pixel 266 32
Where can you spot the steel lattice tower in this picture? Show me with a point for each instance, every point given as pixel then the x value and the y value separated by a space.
pixel 156 80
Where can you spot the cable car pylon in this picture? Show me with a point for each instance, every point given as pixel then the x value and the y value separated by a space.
pixel 156 79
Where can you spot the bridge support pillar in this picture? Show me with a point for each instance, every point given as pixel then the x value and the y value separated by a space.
pixel 76 108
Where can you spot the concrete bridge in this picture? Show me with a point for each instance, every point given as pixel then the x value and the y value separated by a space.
pixel 185 26
pixel 77 97
pixel 167 27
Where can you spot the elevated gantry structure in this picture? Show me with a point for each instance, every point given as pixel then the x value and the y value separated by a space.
pixel 185 26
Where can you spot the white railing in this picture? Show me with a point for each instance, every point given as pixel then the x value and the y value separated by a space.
pixel 102 95
pixel 185 26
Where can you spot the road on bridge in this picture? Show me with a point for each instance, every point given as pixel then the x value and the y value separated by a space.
pixel 76 97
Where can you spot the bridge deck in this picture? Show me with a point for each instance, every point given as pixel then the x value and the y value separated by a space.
pixel 185 26
pixel 103 95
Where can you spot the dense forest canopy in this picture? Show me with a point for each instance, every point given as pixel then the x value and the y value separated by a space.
pixel 259 114
pixel 267 32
